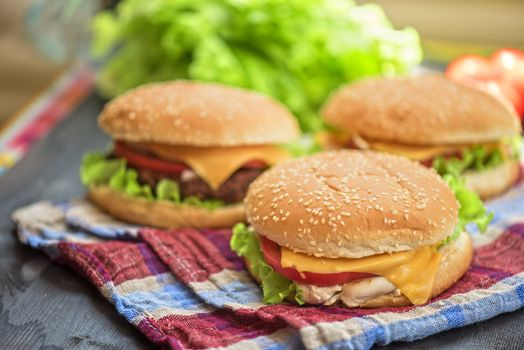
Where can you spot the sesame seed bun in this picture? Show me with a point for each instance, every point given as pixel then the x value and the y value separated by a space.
pixel 420 110
pixel 162 214
pixel 351 204
pixel 197 114
pixel 456 258
pixel 493 181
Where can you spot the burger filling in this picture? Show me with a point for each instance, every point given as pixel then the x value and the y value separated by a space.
pixel 352 294
pixel 233 190
pixel 205 177
pixel 285 274
pixel 454 159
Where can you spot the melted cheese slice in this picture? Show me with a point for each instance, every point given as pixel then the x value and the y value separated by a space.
pixel 413 152
pixel 216 164
pixel 421 152
pixel 334 140
pixel 412 272
pixel 330 140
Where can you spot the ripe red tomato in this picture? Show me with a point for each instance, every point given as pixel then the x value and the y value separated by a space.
pixel 471 68
pixel 271 252
pixel 510 63
pixel 502 75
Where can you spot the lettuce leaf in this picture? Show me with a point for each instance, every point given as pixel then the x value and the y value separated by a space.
pixel 306 145
pixel 471 209
pixel 478 158
pixel 475 158
pixel 275 287
pixel 515 145
pixel 295 51
pixel 97 169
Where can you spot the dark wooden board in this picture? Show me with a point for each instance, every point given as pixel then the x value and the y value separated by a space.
pixel 44 306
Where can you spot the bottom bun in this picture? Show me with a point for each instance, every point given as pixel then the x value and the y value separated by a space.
pixel 162 214
pixel 492 182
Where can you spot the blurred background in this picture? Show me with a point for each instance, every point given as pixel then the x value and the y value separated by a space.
pixel 447 28
pixel 53 52
pixel 452 27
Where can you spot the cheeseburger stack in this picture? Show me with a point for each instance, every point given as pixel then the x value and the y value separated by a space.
pixel 185 152
pixel 363 229
pixel 454 128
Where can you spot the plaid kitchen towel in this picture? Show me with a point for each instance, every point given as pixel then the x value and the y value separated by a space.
pixel 185 289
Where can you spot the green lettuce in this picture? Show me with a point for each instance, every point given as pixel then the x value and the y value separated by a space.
pixel 515 146
pixel 293 50
pixel 306 145
pixel 97 169
pixel 471 209
pixel 275 287
pixel 478 158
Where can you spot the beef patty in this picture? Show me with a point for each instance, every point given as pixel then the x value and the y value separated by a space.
pixel 233 190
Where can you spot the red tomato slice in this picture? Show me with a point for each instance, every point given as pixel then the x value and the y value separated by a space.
pixel 140 160
pixel 271 252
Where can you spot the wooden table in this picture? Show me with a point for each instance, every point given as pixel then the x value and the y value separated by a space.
pixel 45 306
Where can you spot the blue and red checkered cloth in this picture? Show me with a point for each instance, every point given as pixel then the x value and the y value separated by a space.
pixel 185 288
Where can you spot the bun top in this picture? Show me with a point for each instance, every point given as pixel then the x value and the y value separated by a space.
pixel 197 114
pixel 351 204
pixel 421 110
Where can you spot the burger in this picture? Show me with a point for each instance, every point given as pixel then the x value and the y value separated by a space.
pixel 184 153
pixel 358 229
pixel 454 128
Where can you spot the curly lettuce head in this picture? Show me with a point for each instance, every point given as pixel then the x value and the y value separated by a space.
pixel 295 51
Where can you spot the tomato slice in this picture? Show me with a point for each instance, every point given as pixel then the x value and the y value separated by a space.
pixel 471 67
pixel 140 160
pixel 271 252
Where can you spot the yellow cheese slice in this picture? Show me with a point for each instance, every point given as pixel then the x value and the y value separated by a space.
pixel 412 272
pixel 415 152
pixel 424 152
pixel 332 140
pixel 216 164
